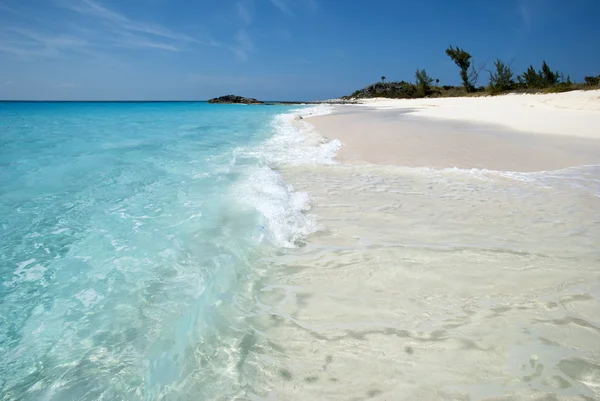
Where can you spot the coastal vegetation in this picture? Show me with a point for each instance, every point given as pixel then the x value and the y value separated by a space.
pixel 463 60
pixel 502 79
pixel 424 82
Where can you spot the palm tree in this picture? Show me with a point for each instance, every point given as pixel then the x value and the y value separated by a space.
pixel 382 79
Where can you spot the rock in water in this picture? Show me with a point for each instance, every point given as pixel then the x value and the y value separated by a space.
pixel 232 99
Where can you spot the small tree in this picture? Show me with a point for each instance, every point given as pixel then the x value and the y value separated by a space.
pixel 502 79
pixel 423 82
pixel 547 77
pixel 569 82
pixel 474 74
pixel 543 78
pixel 382 79
pixel 530 78
pixel 592 81
pixel 463 60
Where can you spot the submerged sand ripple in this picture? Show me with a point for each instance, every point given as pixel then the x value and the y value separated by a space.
pixel 437 284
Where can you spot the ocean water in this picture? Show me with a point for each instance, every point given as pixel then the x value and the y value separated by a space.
pixel 129 234
pixel 185 251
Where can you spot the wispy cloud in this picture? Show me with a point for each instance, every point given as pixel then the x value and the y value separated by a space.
pixel 95 29
pixel 530 12
pixel 127 32
pixel 49 41
pixel 524 12
pixel 283 6
pixel 26 42
pixel 92 28
pixel 243 11
pixel 8 83
pixel 126 39
pixel 8 9
pixel 243 45
pixel 287 6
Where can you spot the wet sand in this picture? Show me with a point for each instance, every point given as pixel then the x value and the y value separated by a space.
pixel 396 137
pixel 455 261
pixel 440 285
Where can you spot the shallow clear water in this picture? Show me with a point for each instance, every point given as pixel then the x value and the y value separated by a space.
pixel 160 252
pixel 123 226
pixel 439 284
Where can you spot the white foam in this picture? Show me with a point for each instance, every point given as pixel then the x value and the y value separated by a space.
pixel 22 273
pixel 89 297
pixel 283 210
pixel 566 176
pixel 295 141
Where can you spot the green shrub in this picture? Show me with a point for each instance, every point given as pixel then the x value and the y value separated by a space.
pixel 530 78
pixel 548 77
pixel 424 82
pixel 592 81
pixel 502 79
pixel 543 78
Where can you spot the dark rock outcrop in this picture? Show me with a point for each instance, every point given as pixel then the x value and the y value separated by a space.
pixel 402 90
pixel 232 99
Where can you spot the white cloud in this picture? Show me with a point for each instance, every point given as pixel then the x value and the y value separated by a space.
pixel 126 39
pixel 311 4
pixel 8 9
pixel 525 15
pixel 530 11
pixel 94 28
pixel 243 45
pixel 124 31
pixel 243 11
pixel 49 41
pixel 8 83
pixel 26 42
pixel 287 6
pixel 282 5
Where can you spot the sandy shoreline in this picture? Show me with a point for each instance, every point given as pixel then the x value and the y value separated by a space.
pixel 438 284
pixel 538 132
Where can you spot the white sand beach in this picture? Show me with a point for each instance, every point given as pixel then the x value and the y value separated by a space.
pixel 571 113
pixel 496 133
pixel 457 260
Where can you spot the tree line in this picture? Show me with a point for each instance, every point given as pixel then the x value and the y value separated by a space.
pixel 502 78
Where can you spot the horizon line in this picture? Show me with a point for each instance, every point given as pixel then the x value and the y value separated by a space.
pixel 135 101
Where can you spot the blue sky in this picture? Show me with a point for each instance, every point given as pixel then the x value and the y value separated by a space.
pixel 274 49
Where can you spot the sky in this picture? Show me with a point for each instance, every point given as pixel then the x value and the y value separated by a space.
pixel 275 49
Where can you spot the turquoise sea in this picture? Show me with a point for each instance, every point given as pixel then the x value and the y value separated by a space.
pixel 128 239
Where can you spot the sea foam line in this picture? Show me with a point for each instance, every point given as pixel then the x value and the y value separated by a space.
pixel 283 210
